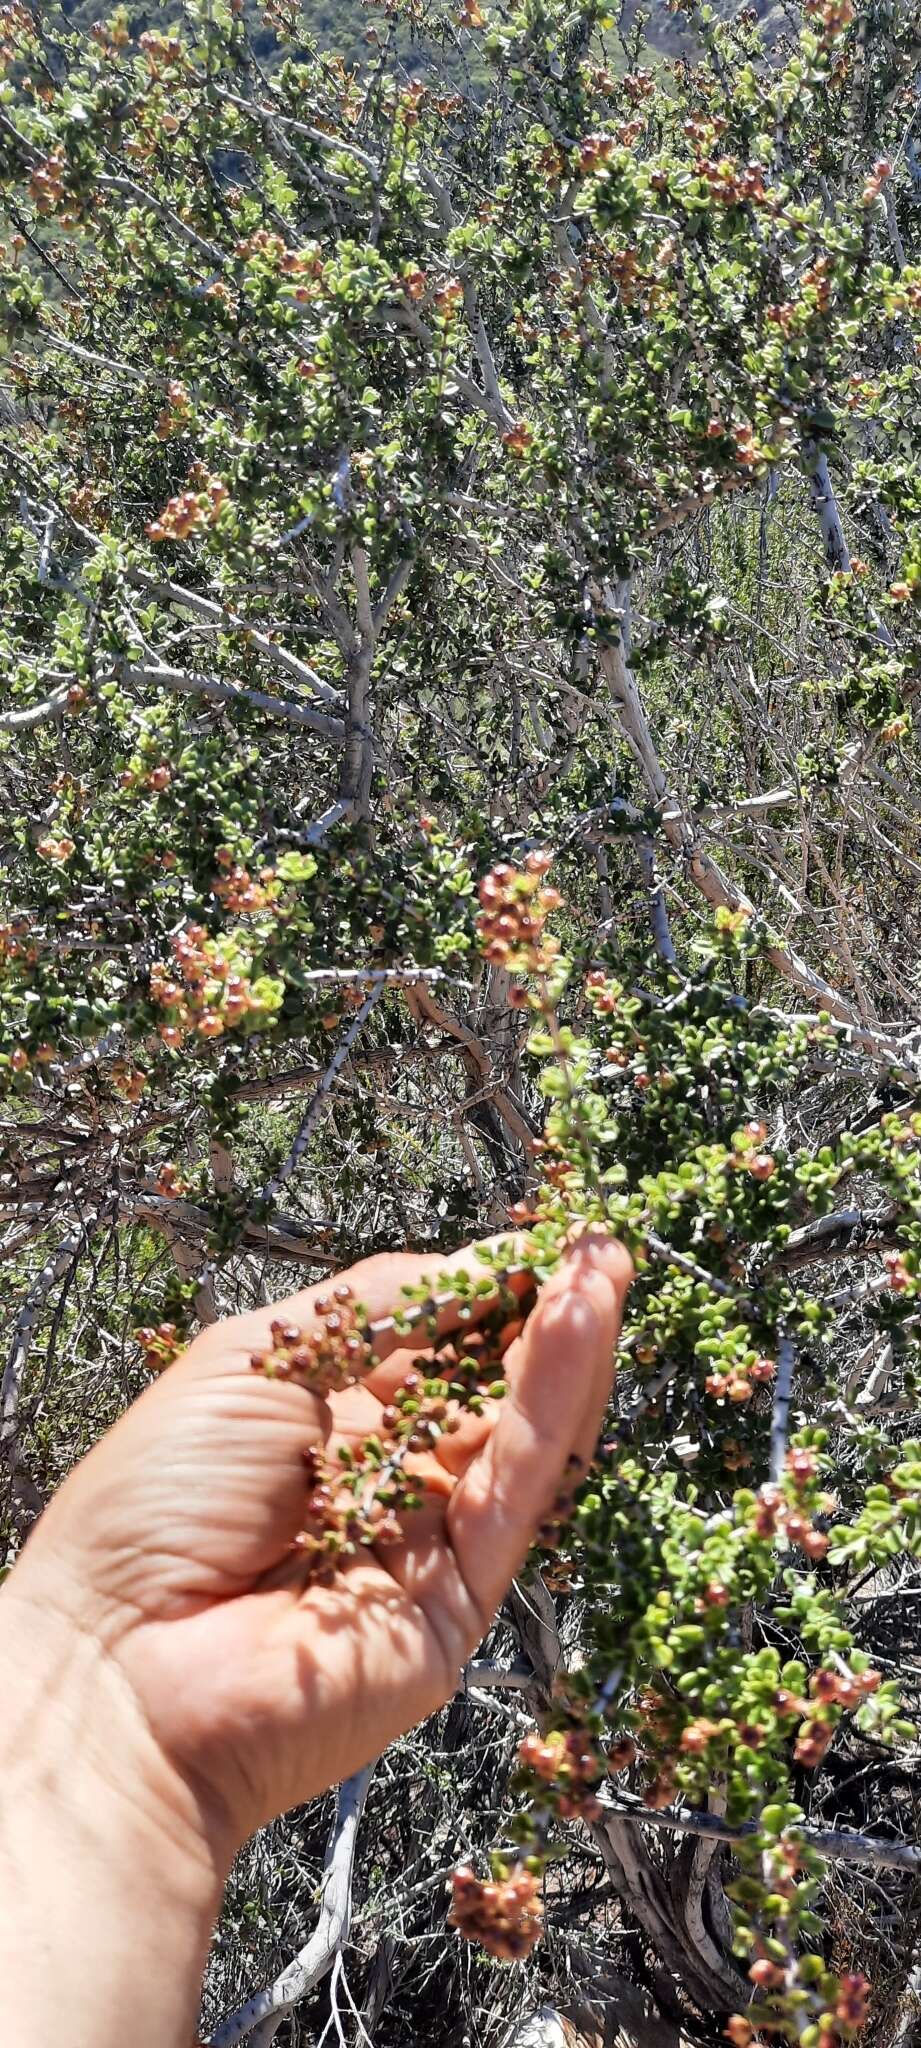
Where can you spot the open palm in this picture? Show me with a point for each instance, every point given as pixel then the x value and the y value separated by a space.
pixel 265 1687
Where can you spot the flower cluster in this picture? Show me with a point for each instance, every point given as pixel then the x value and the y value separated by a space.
pixel 16 942
pixel 748 1370
pixel 128 1081
pixel 160 51
pixel 238 889
pixel 514 907
pixel 110 37
pixel 199 506
pixel 325 1357
pixel 273 250
pixel 881 172
pixel 337 1525
pixel 899 1272
pixel 355 1501
pixel 787 1510
pixel 16 30
pixel 57 851
pixel 209 987
pixel 175 414
pixel 731 183
pixel 831 17
pixel 829 2009
pixel 157 779
pixel 830 1691
pixel 504 1913
pixel 159 1344
pixel 46 186
pixel 569 1762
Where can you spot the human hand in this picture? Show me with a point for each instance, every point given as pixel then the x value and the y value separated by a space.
pixel 171 1543
pixel 217 1688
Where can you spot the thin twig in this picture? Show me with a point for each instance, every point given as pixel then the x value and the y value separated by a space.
pixel 666 1255
pixel 56 1265
pixel 217 690
pixel 266 2009
pixel 839 1845
pixel 309 1120
pixel 658 915
pixel 783 1389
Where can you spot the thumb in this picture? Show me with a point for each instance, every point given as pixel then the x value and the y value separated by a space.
pixel 552 1412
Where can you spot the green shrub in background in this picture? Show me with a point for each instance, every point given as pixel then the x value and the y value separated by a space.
pixel 407 468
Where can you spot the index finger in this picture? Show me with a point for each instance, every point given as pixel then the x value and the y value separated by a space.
pixel 376 1285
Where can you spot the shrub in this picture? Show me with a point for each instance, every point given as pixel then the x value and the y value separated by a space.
pixel 406 481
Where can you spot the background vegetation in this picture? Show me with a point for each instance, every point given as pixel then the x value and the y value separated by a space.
pixel 506 440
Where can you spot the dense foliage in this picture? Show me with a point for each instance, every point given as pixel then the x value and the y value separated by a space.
pixel 399 478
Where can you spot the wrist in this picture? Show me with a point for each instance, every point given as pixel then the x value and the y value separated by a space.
pixel 108 1872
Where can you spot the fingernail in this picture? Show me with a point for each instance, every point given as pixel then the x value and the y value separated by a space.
pixel 595 1247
